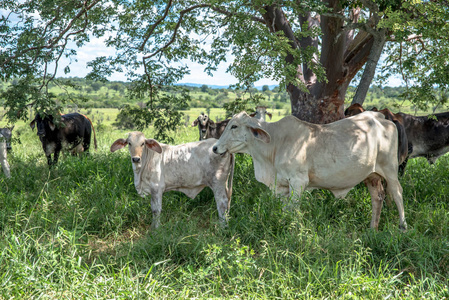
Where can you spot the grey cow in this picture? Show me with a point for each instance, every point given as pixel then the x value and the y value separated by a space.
pixel 186 168
pixel 5 145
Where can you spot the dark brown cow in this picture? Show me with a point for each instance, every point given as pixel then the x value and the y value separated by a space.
pixel 74 133
pixel 404 148
pixel 208 128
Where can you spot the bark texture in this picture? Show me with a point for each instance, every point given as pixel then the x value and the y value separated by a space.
pixel 342 56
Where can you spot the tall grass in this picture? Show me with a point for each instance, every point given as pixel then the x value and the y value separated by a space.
pixel 81 231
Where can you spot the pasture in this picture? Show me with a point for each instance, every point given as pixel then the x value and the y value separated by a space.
pixel 80 230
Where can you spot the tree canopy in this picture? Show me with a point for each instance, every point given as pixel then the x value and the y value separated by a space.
pixel 313 48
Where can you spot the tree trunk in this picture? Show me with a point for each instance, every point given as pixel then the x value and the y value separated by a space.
pixel 370 67
pixel 342 56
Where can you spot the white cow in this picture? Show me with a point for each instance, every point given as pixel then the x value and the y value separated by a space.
pixel 187 168
pixel 261 113
pixel 291 155
pixel 3 155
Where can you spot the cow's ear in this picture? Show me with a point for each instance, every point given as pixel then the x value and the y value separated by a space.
pixel 33 124
pixel 261 134
pixel 12 127
pixel 211 123
pixel 51 125
pixel 118 144
pixel 195 123
pixel 253 114
pixel 153 145
pixel 269 114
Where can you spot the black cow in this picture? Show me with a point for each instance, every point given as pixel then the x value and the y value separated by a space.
pixel 428 136
pixel 6 133
pixel 72 133
pixel 208 128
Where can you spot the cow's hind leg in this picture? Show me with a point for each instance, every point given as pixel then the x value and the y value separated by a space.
pixel 376 190
pixel 223 203
pixel 394 189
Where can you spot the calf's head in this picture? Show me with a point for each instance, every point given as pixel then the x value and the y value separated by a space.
pixel 241 131
pixel 136 142
pixel 203 122
pixel 6 134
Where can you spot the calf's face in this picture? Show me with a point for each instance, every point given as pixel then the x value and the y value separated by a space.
pixel 240 131
pixel 136 142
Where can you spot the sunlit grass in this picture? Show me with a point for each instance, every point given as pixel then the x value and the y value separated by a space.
pixel 81 231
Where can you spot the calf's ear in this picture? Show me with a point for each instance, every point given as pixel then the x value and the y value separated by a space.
pixel 195 123
pixel 118 144
pixel 52 126
pixel 260 134
pixel 153 145
pixel 269 114
pixel 33 124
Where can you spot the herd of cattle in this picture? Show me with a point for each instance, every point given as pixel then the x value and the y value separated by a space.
pixel 289 156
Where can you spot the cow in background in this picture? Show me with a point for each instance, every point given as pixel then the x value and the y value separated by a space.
pixel 427 136
pixel 261 113
pixel 404 148
pixel 72 133
pixel 208 128
pixel 4 153
pixel 186 168
pixel 6 133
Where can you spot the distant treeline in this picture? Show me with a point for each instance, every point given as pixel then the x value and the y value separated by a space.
pixel 113 94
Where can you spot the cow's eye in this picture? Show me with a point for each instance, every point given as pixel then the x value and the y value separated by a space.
pixel 129 144
pixel 233 126
pixel 143 144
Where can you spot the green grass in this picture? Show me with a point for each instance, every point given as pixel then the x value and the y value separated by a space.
pixel 81 231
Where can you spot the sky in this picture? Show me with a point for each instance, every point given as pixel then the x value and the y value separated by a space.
pixel 197 75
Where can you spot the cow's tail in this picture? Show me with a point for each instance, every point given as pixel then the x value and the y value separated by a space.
pixel 230 180
pixel 95 136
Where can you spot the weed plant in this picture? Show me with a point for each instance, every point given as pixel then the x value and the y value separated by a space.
pixel 80 230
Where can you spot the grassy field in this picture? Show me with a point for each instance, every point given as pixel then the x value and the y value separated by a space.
pixel 81 231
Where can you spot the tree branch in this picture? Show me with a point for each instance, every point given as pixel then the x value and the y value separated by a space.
pixel 175 31
pixel 151 29
pixel 53 41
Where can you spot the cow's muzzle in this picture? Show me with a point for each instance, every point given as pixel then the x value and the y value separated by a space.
pixel 136 159
pixel 215 149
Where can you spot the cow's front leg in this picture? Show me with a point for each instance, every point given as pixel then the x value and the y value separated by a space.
pixel 49 161
pixel 223 204
pixel 156 208
pixel 4 162
pixel 296 186
pixel 56 156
